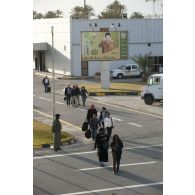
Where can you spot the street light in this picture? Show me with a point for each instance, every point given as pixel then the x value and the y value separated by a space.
pixel 53 105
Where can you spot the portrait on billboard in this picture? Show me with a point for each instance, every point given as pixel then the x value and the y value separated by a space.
pixel 103 46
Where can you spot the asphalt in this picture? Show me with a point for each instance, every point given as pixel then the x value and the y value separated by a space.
pixel 132 102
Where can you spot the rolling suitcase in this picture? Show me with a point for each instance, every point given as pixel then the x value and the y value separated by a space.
pixel 49 89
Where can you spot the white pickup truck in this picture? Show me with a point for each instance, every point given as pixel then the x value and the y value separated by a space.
pixel 127 70
pixel 153 92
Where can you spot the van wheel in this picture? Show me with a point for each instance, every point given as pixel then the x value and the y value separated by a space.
pixel 148 99
pixel 120 76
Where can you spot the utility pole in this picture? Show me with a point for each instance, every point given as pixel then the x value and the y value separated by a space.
pixel 53 105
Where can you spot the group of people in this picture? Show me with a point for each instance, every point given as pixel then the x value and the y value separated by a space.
pixel 100 127
pixel 72 95
pixel 101 131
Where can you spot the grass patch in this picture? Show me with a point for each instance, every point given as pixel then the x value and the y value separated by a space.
pixel 42 134
pixel 114 87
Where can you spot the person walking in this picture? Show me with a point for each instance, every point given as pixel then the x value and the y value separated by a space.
pixel 94 124
pixel 92 110
pixel 45 82
pixel 102 115
pixel 102 145
pixel 73 96
pixel 84 94
pixel 56 129
pixel 108 124
pixel 67 92
pixel 116 147
pixel 78 93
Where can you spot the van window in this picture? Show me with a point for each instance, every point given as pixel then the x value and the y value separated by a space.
pixel 154 81
pixel 134 66
pixel 128 67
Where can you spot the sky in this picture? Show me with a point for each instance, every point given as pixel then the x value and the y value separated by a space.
pixel 146 8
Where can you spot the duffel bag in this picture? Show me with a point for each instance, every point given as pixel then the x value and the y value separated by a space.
pixel 85 126
pixel 88 134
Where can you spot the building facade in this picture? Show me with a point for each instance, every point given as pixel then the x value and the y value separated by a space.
pixel 144 36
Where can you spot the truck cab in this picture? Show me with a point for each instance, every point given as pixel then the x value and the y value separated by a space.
pixel 126 70
pixel 153 91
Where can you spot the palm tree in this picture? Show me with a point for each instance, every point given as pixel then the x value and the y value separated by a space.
pixel 85 12
pixel 59 13
pixel 145 62
pixel 136 15
pixel 114 10
pixel 37 15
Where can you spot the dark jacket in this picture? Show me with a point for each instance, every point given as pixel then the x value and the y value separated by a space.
pixel 90 113
pixel 66 91
pixel 94 123
pixel 43 81
pixel 77 91
pixel 117 147
pixel 73 92
pixel 84 93
pixel 101 140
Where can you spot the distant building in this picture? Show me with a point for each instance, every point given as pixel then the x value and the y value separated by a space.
pixel 144 36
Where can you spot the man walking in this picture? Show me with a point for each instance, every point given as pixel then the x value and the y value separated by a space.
pixel 108 124
pixel 56 129
pixel 78 93
pixel 68 90
pixel 45 82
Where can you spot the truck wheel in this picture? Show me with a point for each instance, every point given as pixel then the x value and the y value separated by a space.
pixel 120 76
pixel 148 99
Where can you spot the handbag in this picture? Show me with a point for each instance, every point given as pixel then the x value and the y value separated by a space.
pixel 88 134
pixel 85 126
pixel 64 98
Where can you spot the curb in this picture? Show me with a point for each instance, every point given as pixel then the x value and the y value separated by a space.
pixel 114 93
pixel 138 93
pixel 63 143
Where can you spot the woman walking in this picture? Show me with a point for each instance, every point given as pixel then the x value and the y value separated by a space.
pixel 101 143
pixel 84 95
pixel 116 147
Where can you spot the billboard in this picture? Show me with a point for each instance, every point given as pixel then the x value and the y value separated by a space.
pixel 104 46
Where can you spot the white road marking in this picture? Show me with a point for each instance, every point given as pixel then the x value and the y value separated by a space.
pixel 82 109
pixel 129 109
pixel 115 188
pixel 89 152
pixel 117 119
pixel 59 103
pixel 44 99
pixel 135 124
pixel 122 165
pixel 64 122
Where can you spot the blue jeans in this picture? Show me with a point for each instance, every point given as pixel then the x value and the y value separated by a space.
pixel 83 100
pixel 46 88
pixel 93 134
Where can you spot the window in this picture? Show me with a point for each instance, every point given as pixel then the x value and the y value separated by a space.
pixel 134 66
pixel 154 81
pixel 128 68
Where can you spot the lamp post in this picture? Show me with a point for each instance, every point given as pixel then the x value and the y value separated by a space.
pixel 53 105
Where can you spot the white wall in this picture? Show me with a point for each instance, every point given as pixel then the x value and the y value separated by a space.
pixel 42 33
pixel 67 32
pixel 140 33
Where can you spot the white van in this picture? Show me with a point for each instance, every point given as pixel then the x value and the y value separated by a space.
pixel 153 92
pixel 126 71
